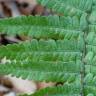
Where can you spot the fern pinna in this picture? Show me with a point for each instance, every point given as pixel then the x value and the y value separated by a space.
pixel 62 49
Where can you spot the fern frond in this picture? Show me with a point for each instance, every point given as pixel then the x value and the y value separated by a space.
pixel 35 55
pixel 46 50
pixel 40 25
pixel 73 89
pixel 62 49
pixel 90 81
pixel 90 56
pixel 66 90
pixel 37 71
pixel 67 7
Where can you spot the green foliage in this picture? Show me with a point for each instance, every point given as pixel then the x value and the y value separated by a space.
pixel 67 7
pixel 34 26
pixel 62 49
pixel 66 90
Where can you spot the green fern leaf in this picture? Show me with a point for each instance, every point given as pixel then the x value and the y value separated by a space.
pixel 35 55
pixel 66 90
pixel 67 7
pixel 62 49
pixel 51 25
